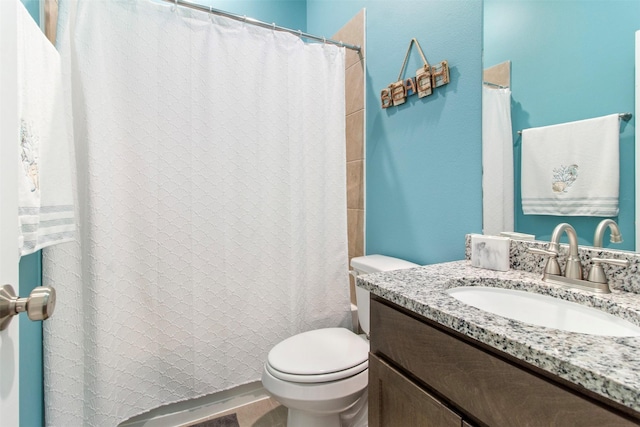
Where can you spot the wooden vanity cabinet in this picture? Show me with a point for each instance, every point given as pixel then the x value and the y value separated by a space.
pixel 414 359
pixel 394 400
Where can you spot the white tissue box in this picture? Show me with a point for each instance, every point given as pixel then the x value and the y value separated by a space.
pixel 490 252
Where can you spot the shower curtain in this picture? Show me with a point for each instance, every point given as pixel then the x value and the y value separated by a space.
pixel 497 161
pixel 210 160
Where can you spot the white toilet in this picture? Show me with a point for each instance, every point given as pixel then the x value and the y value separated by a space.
pixel 321 376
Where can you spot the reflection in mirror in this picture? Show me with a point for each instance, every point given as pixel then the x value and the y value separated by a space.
pixel 497 150
pixel 570 60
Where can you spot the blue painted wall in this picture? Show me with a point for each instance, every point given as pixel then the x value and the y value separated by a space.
pixel 31 369
pixel 33 7
pixel 286 13
pixel 423 173
pixel 571 60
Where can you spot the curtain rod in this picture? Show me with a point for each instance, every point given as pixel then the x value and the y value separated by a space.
pixel 622 116
pixel 258 23
pixel 495 85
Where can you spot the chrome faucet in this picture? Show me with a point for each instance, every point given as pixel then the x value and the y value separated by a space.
pixel 573 267
pixel 596 273
pixel 596 281
pixel 598 236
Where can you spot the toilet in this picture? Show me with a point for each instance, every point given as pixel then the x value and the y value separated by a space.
pixel 321 376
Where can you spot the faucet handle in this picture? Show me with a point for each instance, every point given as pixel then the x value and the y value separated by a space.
pixel 542 252
pixel 596 274
pixel 552 266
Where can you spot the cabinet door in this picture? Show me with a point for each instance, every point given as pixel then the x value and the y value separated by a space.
pixel 395 401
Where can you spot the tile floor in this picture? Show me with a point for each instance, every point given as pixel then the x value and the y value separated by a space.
pixel 263 413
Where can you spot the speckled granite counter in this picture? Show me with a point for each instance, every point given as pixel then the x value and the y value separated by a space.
pixel 608 366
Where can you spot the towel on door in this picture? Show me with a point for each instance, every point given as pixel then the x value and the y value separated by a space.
pixel 572 169
pixel 45 202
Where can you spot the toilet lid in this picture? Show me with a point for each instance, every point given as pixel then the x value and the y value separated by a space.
pixel 318 352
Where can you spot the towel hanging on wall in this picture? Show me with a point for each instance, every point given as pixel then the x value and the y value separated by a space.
pixel 572 169
pixel 45 202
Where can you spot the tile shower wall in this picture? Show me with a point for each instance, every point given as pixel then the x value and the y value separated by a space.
pixel 353 33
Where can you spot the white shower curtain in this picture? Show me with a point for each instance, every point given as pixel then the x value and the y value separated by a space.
pixel 211 195
pixel 497 161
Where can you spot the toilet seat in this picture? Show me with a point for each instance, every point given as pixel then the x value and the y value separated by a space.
pixel 320 355
pixel 318 378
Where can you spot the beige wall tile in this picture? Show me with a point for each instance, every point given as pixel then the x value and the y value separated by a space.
pixel 355 136
pixel 353 33
pixel 354 88
pixel 499 74
pixel 355 187
pixel 355 221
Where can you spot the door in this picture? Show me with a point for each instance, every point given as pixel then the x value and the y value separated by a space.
pixel 9 339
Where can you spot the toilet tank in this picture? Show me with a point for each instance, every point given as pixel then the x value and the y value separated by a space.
pixel 373 264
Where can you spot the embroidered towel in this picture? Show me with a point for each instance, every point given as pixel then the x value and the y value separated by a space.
pixel 45 202
pixel 572 168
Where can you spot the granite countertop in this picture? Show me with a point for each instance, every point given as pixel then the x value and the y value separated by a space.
pixel 608 366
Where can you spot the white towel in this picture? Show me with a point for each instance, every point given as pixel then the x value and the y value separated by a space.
pixel 572 169
pixel 45 202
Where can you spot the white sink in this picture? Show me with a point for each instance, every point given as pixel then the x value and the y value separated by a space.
pixel 543 310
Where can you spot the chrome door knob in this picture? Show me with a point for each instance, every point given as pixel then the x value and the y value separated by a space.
pixel 39 305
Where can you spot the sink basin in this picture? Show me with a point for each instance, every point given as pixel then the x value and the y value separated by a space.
pixel 543 310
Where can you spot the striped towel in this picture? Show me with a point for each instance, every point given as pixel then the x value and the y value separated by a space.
pixel 45 201
pixel 572 169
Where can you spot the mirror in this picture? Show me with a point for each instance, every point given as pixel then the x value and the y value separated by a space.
pixel 570 60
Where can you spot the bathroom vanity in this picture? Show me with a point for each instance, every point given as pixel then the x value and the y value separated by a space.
pixel 419 369
pixel 436 361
